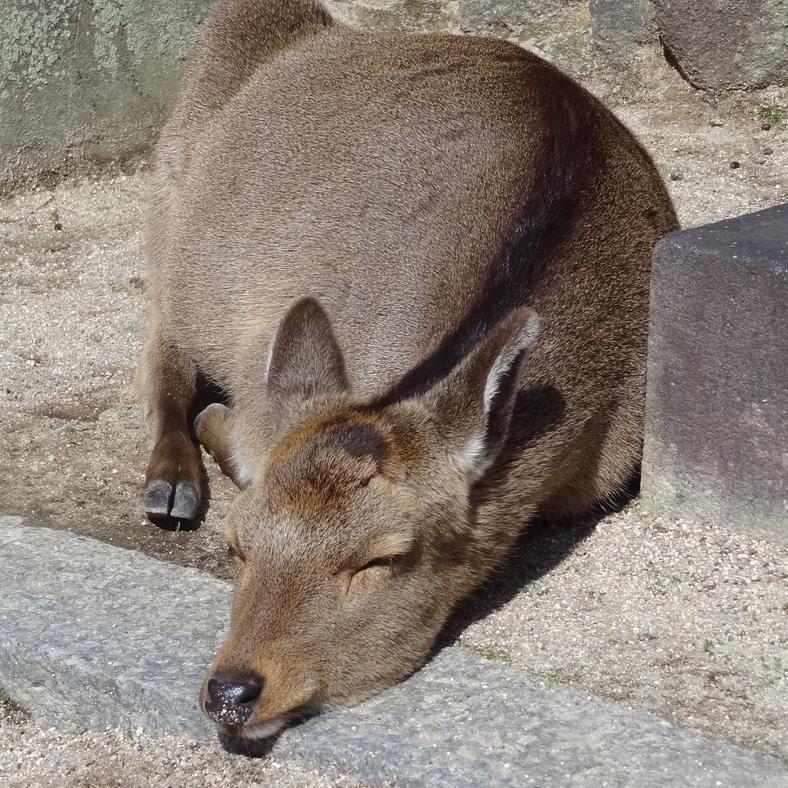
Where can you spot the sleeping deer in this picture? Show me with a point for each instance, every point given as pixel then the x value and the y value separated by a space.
pixel 418 267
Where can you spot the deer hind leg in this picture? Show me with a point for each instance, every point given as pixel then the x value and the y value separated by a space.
pixel 212 428
pixel 173 479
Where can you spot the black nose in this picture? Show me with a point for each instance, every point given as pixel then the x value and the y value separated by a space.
pixel 231 696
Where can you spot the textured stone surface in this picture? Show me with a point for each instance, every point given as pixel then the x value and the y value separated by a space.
pixel 727 44
pixel 99 637
pixel 96 635
pixel 558 30
pixel 85 83
pixel 619 28
pixel 717 411
pixel 396 16
pixel 501 16
pixel 466 721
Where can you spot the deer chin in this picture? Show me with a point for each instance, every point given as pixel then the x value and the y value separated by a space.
pixel 251 741
pixel 264 730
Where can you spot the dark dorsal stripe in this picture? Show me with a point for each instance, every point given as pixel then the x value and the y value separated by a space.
pixel 547 216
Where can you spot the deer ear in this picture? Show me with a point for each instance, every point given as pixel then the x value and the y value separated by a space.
pixel 473 405
pixel 304 358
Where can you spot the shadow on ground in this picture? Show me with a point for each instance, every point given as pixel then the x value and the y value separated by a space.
pixel 541 547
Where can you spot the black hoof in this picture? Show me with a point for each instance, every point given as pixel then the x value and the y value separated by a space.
pixel 185 503
pixel 161 502
pixel 158 494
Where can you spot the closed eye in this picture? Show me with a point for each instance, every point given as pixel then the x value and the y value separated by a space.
pixel 361 577
pixel 388 560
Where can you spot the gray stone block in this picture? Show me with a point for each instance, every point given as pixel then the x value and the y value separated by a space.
pixel 83 84
pixel 727 44
pixel 466 721
pixel 558 30
pixel 619 28
pixel 99 636
pixel 95 636
pixel 717 402
pixel 501 16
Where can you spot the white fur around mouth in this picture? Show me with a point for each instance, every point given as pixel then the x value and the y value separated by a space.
pixel 264 730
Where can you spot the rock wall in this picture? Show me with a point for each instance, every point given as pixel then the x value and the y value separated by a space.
pixel 726 44
pixel 84 83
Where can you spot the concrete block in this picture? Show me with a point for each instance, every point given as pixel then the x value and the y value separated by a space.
pixel 717 401
pixel 98 636
pixel 726 44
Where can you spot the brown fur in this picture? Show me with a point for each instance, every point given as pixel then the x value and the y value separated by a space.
pixel 421 196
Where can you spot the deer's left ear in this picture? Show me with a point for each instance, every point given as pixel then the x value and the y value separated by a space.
pixel 304 357
pixel 473 405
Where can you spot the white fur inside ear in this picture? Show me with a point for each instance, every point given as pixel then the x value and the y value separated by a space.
pixel 523 339
pixel 269 354
pixel 244 472
pixel 474 460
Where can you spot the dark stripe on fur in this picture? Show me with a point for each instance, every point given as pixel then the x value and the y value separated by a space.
pixel 547 216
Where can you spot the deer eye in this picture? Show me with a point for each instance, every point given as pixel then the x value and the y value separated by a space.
pixel 360 577
pixel 388 560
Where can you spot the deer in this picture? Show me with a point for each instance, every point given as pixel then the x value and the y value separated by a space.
pixel 417 267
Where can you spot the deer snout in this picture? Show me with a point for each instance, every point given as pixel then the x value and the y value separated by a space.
pixel 231 696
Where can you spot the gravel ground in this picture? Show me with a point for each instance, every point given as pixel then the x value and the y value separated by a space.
pixel 683 620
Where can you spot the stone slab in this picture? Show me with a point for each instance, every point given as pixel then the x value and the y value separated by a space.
pixel 716 407
pixel 726 44
pixel 85 83
pixel 99 636
pixel 95 636
pixel 467 721
pixel 619 28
